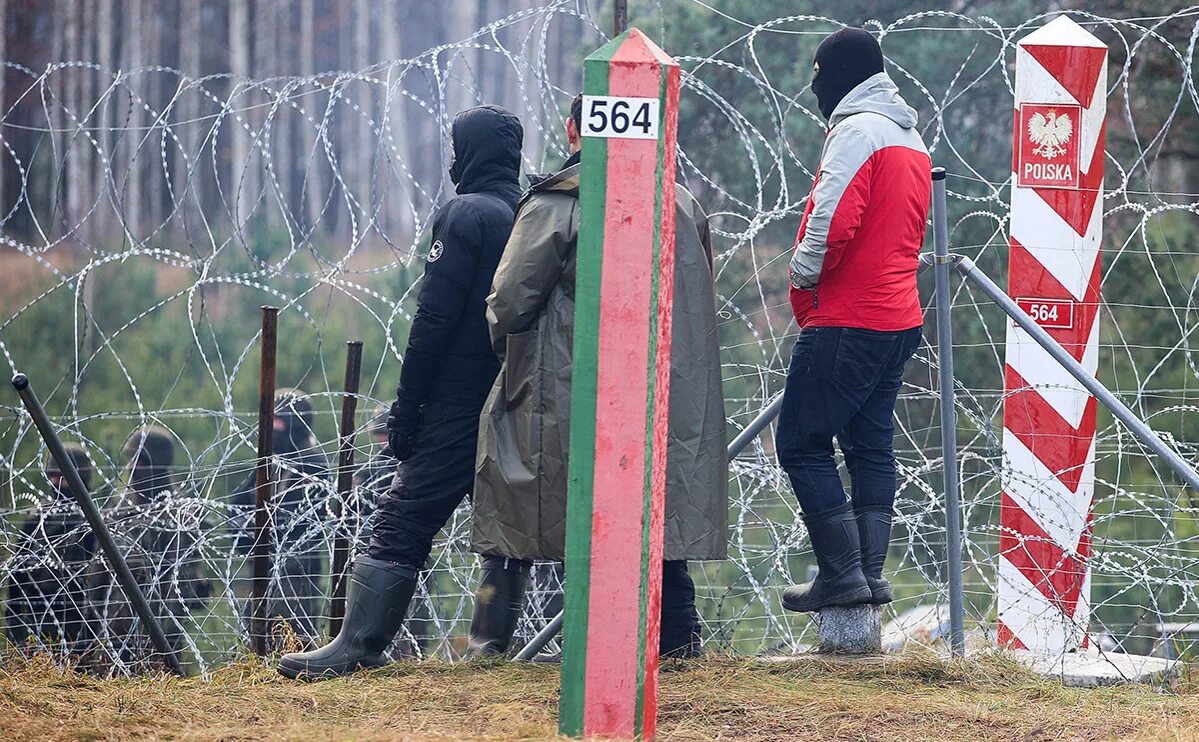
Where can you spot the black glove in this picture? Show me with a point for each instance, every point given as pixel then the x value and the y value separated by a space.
pixel 401 426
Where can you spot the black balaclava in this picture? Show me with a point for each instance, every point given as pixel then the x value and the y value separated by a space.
pixel 297 417
pixel 151 454
pixel 487 141
pixel 844 60
pixel 79 459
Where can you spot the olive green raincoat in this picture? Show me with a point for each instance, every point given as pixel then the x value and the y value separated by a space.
pixel 524 436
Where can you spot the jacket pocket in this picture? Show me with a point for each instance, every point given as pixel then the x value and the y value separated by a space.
pixel 522 362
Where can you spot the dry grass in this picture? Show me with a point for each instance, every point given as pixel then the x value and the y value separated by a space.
pixel 909 697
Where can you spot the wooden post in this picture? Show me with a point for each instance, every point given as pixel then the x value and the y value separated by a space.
pixel 617 470
pixel 345 485
pixel 1054 273
pixel 262 488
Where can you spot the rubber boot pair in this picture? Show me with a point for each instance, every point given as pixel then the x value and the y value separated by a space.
pixel 499 600
pixel 850 550
pixel 376 603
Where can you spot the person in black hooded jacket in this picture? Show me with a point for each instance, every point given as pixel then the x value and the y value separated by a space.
pixel 448 370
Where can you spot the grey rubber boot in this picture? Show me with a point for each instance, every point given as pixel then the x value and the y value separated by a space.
pixel 874 532
pixel 377 599
pixel 840 581
pixel 499 600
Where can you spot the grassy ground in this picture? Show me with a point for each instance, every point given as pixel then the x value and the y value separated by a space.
pixel 905 698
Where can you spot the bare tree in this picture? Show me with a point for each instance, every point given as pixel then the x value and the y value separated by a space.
pixel 313 151
pixel 3 101
pixel 240 169
pixel 134 54
pixel 266 61
pixel 184 182
pixel 105 55
pixel 396 172
pixel 363 144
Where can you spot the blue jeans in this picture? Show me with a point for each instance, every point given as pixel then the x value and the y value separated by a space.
pixel 843 383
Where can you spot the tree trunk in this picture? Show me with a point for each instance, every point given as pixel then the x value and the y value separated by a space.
pixel 105 55
pixel 394 178
pixel 266 63
pixel 312 150
pixel 4 206
pixel 185 180
pixel 364 147
pixel 131 185
pixel 240 169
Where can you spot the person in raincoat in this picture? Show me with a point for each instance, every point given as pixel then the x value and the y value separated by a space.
pixel 520 487
pixel 447 371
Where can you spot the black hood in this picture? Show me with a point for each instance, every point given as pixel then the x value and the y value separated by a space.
pixel 487 142
pixel 295 412
pixel 151 454
pixel 78 459
pixel 844 60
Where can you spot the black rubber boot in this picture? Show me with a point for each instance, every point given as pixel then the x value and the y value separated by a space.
pixel 499 600
pixel 840 581
pixel 377 600
pixel 874 532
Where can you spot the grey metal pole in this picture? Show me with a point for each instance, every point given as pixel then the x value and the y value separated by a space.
pixel 949 437
pixel 262 482
pixel 112 553
pixel 1121 412
pixel 755 427
pixel 543 637
pixel 751 431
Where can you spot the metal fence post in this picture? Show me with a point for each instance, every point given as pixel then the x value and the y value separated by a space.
pixel 345 484
pixel 112 553
pixel 949 438
pixel 262 488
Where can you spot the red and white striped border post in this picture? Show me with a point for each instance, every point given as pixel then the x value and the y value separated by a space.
pixel 1054 273
pixel 620 390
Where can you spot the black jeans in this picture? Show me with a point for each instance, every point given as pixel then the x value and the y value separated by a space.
pixel 428 487
pixel 843 383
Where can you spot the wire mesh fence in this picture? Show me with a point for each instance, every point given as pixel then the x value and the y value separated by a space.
pixel 149 210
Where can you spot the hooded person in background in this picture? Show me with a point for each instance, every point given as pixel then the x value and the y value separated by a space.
pixel 298 512
pixel 47 599
pixel 853 293
pixel 157 529
pixel 447 372
pixel 520 490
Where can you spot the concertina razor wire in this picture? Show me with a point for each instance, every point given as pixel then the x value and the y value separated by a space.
pixel 153 210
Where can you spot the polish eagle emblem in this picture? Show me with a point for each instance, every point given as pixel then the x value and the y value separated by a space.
pixel 1050 133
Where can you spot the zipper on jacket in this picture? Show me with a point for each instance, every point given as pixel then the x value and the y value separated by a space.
pixel 815 297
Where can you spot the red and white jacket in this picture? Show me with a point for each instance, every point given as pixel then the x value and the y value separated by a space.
pixel 856 254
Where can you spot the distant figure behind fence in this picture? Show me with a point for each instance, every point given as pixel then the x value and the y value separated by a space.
pixel 298 508
pixel 157 528
pixel 46 600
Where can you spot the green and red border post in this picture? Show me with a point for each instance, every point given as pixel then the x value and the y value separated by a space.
pixel 621 388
